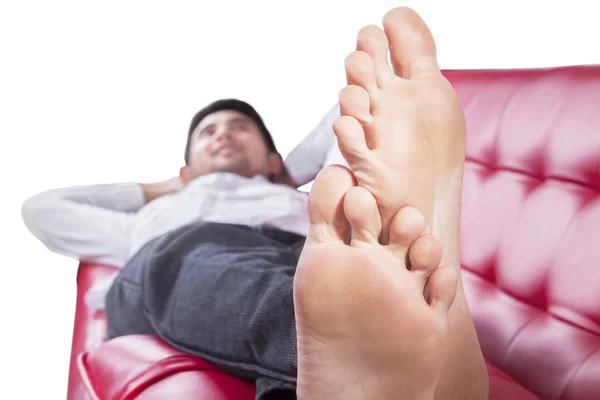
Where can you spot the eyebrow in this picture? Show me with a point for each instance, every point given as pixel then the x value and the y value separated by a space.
pixel 234 120
pixel 238 120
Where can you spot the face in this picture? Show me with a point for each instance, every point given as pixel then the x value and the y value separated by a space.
pixel 229 141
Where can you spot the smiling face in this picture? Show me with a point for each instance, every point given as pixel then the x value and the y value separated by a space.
pixel 229 141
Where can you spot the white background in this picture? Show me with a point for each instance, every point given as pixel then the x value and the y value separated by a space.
pixel 99 92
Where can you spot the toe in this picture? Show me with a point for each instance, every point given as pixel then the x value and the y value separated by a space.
pixel 325 205
pixel 372 40
pixel 441 289
pixel 351 139
pixel 425 256
pixel 361 212
pixel 360 71
pixel 412 48
pixel 406 227
pixel 355 102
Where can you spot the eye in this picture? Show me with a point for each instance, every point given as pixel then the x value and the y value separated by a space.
pixel 207 132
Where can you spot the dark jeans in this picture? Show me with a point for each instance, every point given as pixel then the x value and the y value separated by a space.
pixel 220 291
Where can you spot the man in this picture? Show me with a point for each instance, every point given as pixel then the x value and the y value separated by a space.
pixel 230 269
pixel 231 176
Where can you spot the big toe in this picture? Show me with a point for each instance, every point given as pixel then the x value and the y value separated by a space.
pixel 412 47
pixel 328 222
pixel 361 211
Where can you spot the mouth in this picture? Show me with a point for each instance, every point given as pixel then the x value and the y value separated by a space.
pixel 224 150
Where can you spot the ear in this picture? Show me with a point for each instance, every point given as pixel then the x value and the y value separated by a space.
pixel 185 174
pixel 275 164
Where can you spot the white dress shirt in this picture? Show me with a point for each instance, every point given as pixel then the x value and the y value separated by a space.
pixel 107 224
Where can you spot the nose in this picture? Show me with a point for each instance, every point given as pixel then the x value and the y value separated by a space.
pixel 223 133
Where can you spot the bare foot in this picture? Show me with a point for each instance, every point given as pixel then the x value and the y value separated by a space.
pixel 402 132
pixel 365 328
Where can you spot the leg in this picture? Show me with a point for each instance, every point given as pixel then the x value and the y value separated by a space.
pixel 365 328
pixel 403 134
pixel 124 302
pixel 224 293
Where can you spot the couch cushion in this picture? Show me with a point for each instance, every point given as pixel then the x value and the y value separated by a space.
pixel 531 223
pixel 90 327
pixel 503 387
pixel 143 367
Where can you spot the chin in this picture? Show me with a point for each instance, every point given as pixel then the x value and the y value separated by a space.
pixel 240 168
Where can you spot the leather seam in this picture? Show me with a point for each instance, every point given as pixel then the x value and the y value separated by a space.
pixel 575 371
pixel 558 179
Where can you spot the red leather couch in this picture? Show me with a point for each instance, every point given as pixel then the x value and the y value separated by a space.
pixel 530 253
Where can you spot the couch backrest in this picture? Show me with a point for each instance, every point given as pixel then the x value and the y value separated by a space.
pixel 531 224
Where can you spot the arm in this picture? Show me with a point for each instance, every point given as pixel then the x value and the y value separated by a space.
pixel 155 190
pixel 88 223
pixel 308 158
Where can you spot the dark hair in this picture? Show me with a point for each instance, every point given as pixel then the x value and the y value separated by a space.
pixel 233 105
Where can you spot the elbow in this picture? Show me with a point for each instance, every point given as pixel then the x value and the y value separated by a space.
pixel 28 211
pixel 31 211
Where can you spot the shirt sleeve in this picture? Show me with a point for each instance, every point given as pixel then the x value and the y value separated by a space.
pixel 308 158
pixel 89 223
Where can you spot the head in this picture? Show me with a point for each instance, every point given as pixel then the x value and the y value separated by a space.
pixel 230 136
